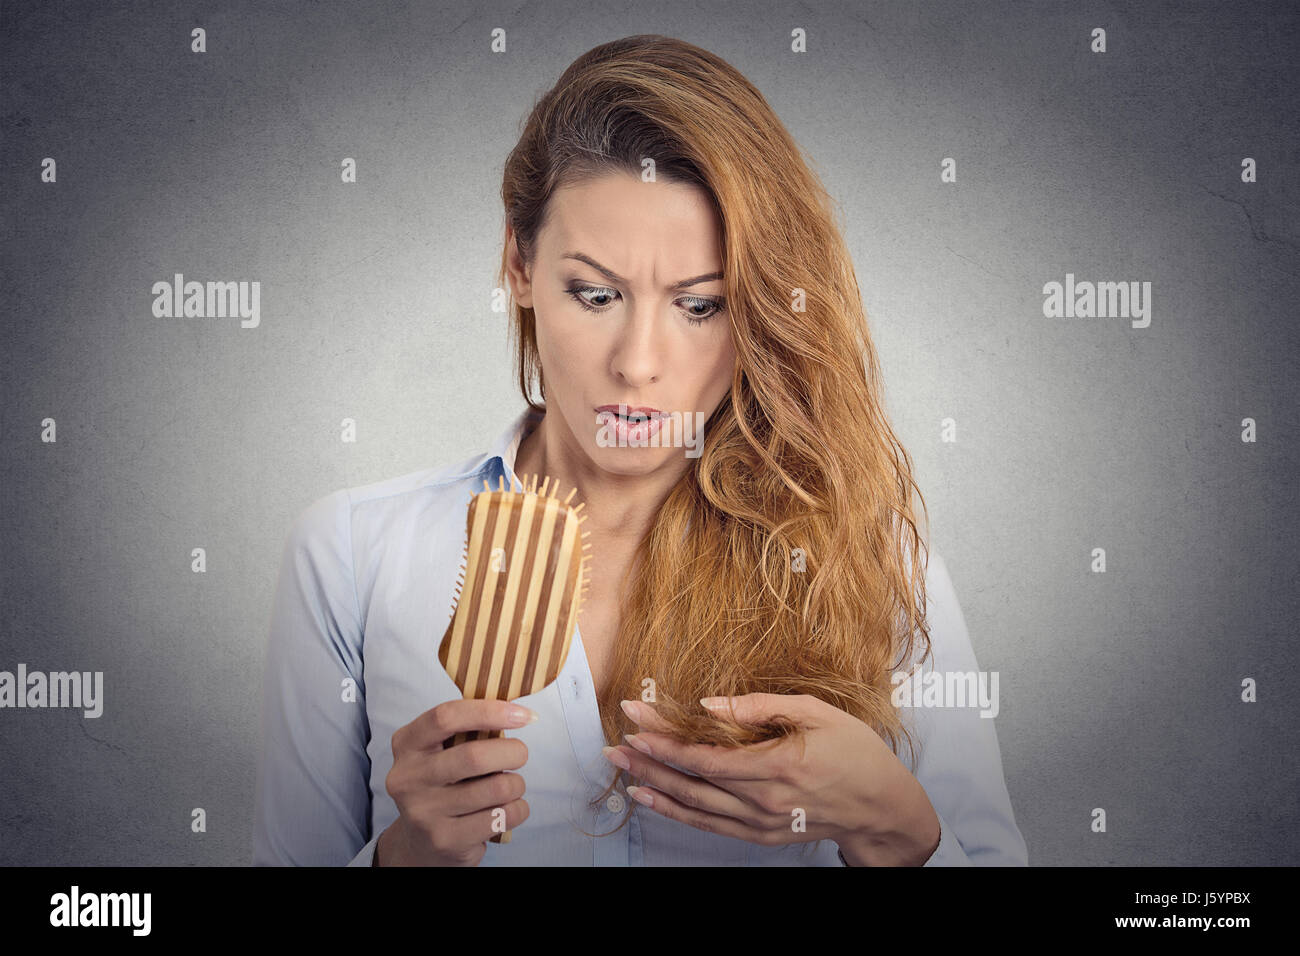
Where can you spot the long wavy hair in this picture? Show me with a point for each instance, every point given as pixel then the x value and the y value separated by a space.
pixel 785 559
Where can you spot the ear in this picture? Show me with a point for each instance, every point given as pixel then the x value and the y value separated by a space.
pixel 521 286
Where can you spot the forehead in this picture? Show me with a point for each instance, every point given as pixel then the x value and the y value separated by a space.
pixel 629 226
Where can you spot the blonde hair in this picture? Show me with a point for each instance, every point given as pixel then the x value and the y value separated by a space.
pixel 801 456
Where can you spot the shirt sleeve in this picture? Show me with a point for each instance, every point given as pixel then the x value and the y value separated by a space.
pixel 312 796
pixel 959 762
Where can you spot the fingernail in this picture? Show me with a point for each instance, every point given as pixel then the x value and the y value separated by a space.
pixel 712 702
pixel 616 757
pixel 519 716
pixel 641 796
pixel 638 743
pixel 632 709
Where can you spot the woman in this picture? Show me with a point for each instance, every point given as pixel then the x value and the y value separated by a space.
pixel 670 255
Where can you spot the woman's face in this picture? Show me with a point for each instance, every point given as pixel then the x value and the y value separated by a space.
pixel 626 286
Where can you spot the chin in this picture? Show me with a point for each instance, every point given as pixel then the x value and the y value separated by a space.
pixel 629 461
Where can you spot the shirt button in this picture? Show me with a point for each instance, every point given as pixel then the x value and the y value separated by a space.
pixel 614 804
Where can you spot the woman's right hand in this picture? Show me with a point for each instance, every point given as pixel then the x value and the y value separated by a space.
pixel 445 803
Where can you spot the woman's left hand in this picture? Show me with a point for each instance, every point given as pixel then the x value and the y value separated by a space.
pixel 836 780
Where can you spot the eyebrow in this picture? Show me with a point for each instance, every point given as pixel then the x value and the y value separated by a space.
pixel 614 276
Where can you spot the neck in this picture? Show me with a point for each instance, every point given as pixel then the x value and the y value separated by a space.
pixel 618 507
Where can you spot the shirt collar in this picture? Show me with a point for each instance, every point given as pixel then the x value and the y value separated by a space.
pixel 500 459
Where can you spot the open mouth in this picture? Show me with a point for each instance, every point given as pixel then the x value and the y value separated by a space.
pixel 630 416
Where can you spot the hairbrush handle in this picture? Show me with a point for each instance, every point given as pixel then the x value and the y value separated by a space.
pixel 464 737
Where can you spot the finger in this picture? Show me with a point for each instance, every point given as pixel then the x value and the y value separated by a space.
pixel 756 708
pixel 484 793
pixel 758 761
pixel 689 791
pixel 477 758
pixel 664 805
pixel 480 826
pixel 645 716
pixel 435 725
pixel 750 708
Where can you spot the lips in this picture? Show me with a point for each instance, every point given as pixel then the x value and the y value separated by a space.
pixel 632 413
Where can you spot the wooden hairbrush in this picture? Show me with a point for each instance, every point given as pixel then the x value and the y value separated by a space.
pixel 521 585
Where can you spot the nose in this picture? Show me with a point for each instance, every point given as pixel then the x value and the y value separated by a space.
pixel 637 356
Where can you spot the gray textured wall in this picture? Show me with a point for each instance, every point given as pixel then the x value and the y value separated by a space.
pixel 1119 690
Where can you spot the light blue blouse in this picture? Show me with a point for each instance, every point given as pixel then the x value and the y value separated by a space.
pixel 364 593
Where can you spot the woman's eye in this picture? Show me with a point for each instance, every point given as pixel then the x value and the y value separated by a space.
pixel 597 299
pixel 712 307
pixel 605 294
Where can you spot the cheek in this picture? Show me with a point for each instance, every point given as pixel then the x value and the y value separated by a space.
pixel 706 371
pixel 723 370
pixel 563 323
pixel 724 359
pixel 727 357
pixel 563 344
